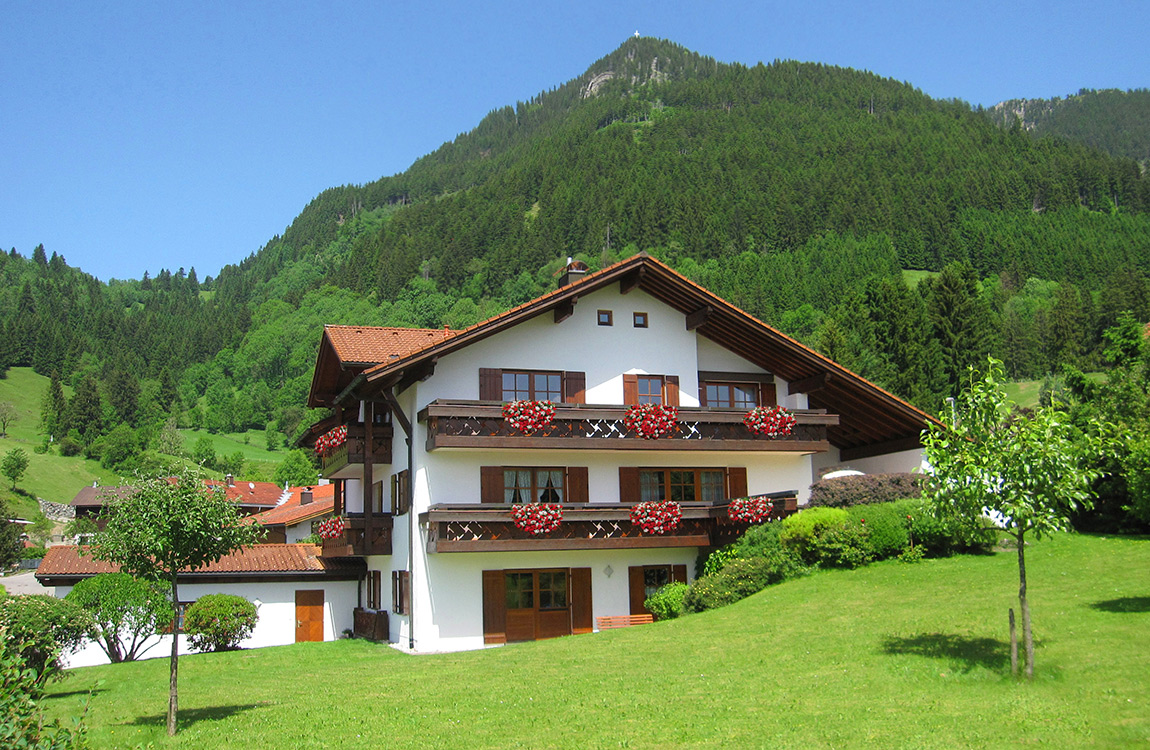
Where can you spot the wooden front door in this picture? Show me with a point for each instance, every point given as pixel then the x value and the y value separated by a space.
pixel 538 604
pixel 308 615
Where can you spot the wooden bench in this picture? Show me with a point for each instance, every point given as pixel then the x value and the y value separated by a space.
pixel 622 621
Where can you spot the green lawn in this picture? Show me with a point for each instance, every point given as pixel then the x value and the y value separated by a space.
pixel 891 655
pixel 50 475
pixel 225 444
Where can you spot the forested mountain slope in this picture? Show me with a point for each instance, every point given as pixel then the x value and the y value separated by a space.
pixel 799 191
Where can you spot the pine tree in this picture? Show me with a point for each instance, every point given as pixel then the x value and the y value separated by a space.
pixel 960 319
pixel 52 408
pixel 85 412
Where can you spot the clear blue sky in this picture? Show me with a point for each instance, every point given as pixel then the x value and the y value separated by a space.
pixel 145 135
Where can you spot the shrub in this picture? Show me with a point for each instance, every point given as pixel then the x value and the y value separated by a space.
pixel 715 561
pixel 759 540
pixel 886 529
pixel 69 446
pixel 32 553
pixel 40 628
pixel 798 532
pixel 865 489
pixel 667 602
pixel 21 721
pixel 943 537
pixel 218 622
pixel 740 578
pixel 125 611
pixel 845 546
pixel 826 536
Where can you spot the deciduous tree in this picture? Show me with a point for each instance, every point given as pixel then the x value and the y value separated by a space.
pixel 14 465
pixel 127 613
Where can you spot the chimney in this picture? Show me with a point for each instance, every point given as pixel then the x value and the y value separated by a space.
pixel 575 270
pixel 305 496
pixel 230 480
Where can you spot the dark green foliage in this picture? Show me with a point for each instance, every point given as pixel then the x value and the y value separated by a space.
pixel 218 622
pixel 740 578
pixel 14 464
pixel 10 544
pixel 118 449
pixel 865 489
pixel 886 529
pixel 233 464
pixel 827 537
pixel 85 413
pixel 759 540
pixel 40 628
pixel 69 446
pixel 667 602
pixel 125 612
pixel 296 470
pixel 22 724
pixel 32 553
pixel 203 452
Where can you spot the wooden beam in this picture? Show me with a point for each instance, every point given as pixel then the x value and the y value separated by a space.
pixel 417 374
pixel 806 385
pixel 630 281
pixel 565 309
pixel 878 449
pixel 699 317
pixel 737 377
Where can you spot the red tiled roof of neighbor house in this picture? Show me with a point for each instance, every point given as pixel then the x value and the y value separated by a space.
pixel 67 562
pixel 250 493
pixel 375 344
pixel 291 511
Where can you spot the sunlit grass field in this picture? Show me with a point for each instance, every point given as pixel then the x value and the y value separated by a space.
pixel 892 655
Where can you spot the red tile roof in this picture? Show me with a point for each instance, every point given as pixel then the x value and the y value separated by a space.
pixel 260 558
pixel 242 493
pixel 290 512
pixel 376 344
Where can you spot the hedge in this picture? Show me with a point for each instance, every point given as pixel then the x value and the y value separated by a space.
pixel 865 489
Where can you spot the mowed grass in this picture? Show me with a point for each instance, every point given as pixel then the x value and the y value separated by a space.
pixel 50 475
pixel 226 444
pixel 893 655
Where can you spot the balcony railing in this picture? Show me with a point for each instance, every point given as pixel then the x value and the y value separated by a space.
pixel 480 424
pixel 335 464
pixel 358 540
pixel 489 527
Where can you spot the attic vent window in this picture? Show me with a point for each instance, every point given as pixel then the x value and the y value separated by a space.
pixel 604 317
pixel 640 320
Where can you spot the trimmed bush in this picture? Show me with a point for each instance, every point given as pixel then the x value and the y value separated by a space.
pixel 218 622
pixel 865 489
pixel 759 540
pixel 826 536
pixel 667 602
pixel 740 578
pixel 886 529
pixel 40 628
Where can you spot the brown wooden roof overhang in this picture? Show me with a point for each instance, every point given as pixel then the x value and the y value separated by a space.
pixel 872 421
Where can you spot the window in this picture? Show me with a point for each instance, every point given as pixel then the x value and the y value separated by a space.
pixel 542 589
pixel 731 395
pixel 650 389
pixel 532 386
pixel 533 485
pixel 640 320
pixel 604 317
pixel 655 577
pixel 682 485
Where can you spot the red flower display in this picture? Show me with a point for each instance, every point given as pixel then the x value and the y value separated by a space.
pixel 657 517
pixel 529 416
pixel 537 518
pixel 651 421
pixel 332 528
pixel 331 440
pixel 756 509
pixel 772 421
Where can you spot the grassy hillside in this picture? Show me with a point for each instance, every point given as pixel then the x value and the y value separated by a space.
pixel 891 655
pixel 49 476
pixel 251 444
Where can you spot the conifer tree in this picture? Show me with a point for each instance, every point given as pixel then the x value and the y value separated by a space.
pixel 52 408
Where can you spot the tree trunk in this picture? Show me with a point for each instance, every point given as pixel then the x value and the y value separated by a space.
pixel 1027 637
pixel 173 697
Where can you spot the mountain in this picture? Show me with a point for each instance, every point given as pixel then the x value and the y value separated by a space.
pixel 798 191
pixel 1117 122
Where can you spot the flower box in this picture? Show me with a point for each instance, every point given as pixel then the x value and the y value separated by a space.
pixel 651 421
pixel 657 517
pixel 771 421
pixel 537 518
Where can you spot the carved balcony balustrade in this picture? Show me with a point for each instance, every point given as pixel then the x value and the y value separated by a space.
pixel 346 460
pixel 480 424
pixel 490 527
pixel 359 539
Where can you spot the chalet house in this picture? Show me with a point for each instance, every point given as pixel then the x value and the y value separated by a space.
pixel 299 595
pixel 249 497
pixel 298 514
pixel 426 470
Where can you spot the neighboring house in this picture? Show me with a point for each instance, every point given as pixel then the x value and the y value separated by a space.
pixel 299 595
pixel 429 470
pixel 298 515
pixel 249 497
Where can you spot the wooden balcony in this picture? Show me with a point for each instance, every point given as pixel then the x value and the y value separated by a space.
pixel 346 461
pixel 490 528
pixel 480 424
pixel 358 540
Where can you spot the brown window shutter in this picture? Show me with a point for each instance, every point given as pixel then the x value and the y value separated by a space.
pixel 630 389
pixel 405 585
pixel 494 607
pixel 490 384
pixel 671 390
pixel 575 387
pixel 581 620
pixel 737 481
pixel 702 393
pixel 490 484
pixel 679 573
pixel 635 579
pixel 577 484
pixel 396 598
pixel 377 589
pixel 629 491
pixel 767 395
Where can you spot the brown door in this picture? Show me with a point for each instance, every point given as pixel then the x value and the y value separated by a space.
pixel 538 604
pixel 308 616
